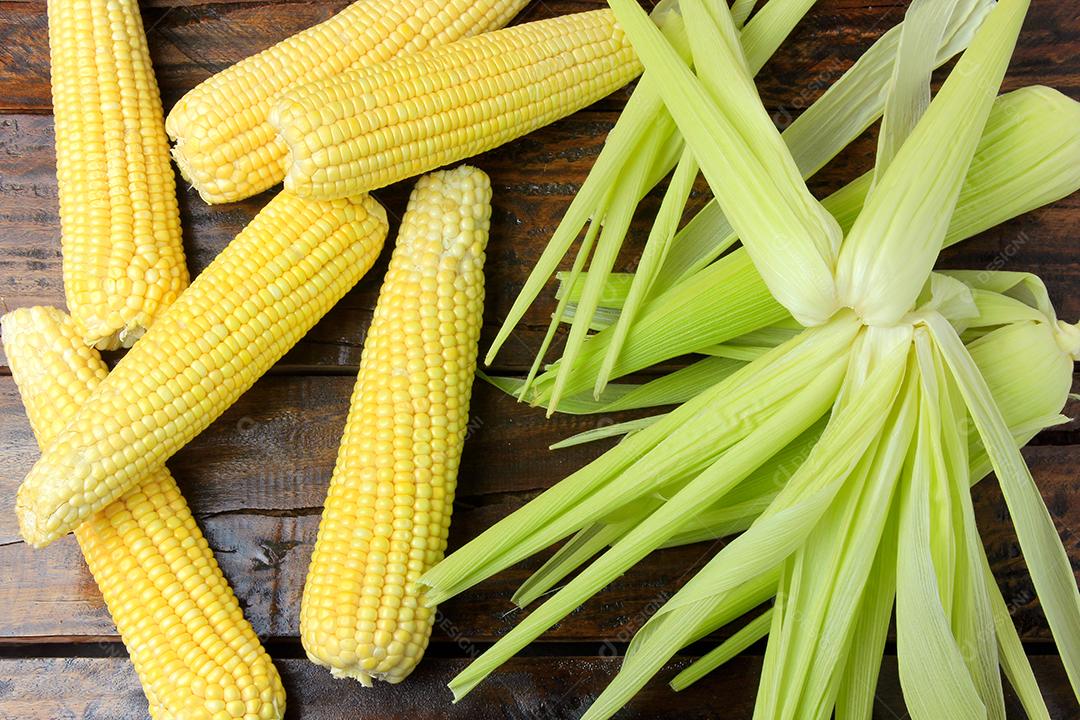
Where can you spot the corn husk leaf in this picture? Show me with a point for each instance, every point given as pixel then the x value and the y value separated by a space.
pixel 922 32
pixel 779 429
pixel 1051 571
pixel 586 543
pixel 1029 156
pixel 858 679
pixel 1014 659
pixel 605 431
pixel 1031 141
pixel 897 237
pixel 671 389
pixel 769 541
pixel 932 670
pixel 680 445
pixel 846 109
pixel 629 138
pixel 791 238
pixel 746 636
pixel 652 258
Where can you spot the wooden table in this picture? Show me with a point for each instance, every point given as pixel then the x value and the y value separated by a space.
pixel 256 479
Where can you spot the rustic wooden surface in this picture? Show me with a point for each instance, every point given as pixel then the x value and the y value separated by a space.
pixel 257 477
pixel 527 688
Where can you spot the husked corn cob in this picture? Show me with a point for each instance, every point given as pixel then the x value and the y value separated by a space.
pixel 373 126
pixel 388 509
pixel 225 145
pixel 259 296
pixel 123 254
pixel 195 654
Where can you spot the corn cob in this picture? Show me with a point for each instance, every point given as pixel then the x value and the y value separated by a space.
pixel 225 146
pixel 123 255
pixel 373 126
pixel 195 654
pixel 388 509
pixel 259 296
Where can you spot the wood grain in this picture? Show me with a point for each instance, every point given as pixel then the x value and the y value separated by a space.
pixel 527 205
pixel 256 479
pixel 534 178
pixel 529 688
pixel 190 40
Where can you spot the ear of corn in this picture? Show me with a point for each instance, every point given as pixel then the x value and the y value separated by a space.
pixel 373 126
pixel 123 255
pixel 196 656
pixel 260 295
pixel 225 146
pixel 388 509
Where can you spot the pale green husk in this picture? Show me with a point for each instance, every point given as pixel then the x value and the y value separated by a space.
pixel 1029 156
pixel 843 450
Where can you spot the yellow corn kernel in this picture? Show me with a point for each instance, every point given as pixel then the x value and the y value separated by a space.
pixel 266 289
pixel 373 126
pixel 225 146
pixel 123 254
pixel 175 613
pixel 388 509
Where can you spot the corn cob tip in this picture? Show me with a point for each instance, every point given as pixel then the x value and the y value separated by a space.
pixel 356 674
pixel 184 166
pixel 125 337
pixel 352 673
pixel 34 524
pixel 12 321
pixel 375 209
pixel 282 108
pixel 43 516
pixel 101 338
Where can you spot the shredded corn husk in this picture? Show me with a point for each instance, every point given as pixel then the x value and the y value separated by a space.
pixel 1029 156
pixel 817 135
pixel 844 450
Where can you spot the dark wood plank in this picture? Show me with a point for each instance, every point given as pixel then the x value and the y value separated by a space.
pixel 192 39
pixel 529 688
pixel 534 180
pixel 189 40
pixel 257 479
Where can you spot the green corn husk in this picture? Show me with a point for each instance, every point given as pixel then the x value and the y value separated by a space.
pixel 883 266
pixel 619 180
pixel 744 638
pixel 990 348
pixel 1049 567
pixel 847 109
pixel 886 476
pixel 1029 156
